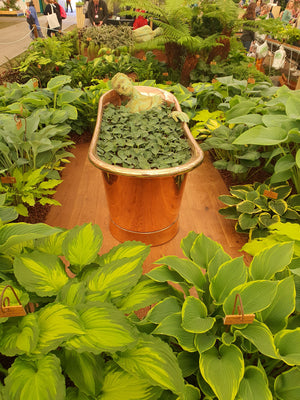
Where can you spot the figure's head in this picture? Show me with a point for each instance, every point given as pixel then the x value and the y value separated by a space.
pixel 122 84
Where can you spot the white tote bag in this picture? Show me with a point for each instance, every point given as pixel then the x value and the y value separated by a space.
pixel 52 19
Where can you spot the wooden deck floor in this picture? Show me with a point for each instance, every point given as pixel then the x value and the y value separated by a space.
pixel 83 200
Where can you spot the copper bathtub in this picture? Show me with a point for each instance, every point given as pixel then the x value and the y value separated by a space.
pixel 143 204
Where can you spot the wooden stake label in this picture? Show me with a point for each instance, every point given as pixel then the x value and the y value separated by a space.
pixel 8 179
pixel 240 318
pixel 270 194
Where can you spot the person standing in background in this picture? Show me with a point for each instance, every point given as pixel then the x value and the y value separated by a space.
pixel 32 11
pixel 69 4
pixel 97 12
pixel 50 9
pixel 248 35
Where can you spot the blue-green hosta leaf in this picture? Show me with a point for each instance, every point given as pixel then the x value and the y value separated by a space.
pixel 273 259
pixel 261 336
pixel 125 250
pixel 194 316
pixel 73 293
pixel 287 343
pixel 215 263
pixel 262 136
pixel 164 308
pixel 172 326
pixel 20 337
pixel 223 370
pixel 254 386
pixel 204 341
pixel 39 379
pixel 41 273
pixel 15 233
pixel 86 371
pixel 230 274
pixel 57 323
pixel 188 269
pixel 276 315
pixel 121 385
pixel 81 245
pixel 203 250
pixel 105 328
pixel 287 385
pixel 256 296
pixel 153 360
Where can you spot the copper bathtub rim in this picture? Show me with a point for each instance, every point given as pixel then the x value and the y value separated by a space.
pixel 195 160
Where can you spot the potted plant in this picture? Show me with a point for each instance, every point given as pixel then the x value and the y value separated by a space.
pixel 144 203
pixel 80 16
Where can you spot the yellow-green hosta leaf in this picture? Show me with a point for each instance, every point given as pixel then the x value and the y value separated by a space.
pixel 73 293
pixel 230 274
pixel 254 386
pixel 223 370
pixel 57 323
pixel 162 309
pixel 204 341
pixel 203 250
pixel 86 371
pixel 172 326
pixel 51 244
pixel 261 336
pixel 125 250
pixel 276 315
pixel 81 245
pixel 104 328
pixel 153 360
pixel 271 260
pixel 41 273
pixel 218 259
pixel 19 337
pixel 194 316
pixel 256 296
pixel 287 385
pixel 39 379
pixel 287 343
pixel 121 385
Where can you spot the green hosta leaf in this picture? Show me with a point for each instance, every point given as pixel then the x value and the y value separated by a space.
pixel 153 360
pixel 262 136
pixel 188 269
pixel 20 337
pixel 247 221
pixel 75 394
pixel 285 163
pixel 292 106
pixel 246 206
pixel 186 243
pixel 194 316
pixel 229 200
pixel 57 82
pixel 223 370
pixel 57 323
pixel 105 328
pixel 241 109
pixel 266 220
pixel 163 309
pixel 229 212
pixel 260 335
pixel 249 120
pixel 252 303
pixel 271 260
pixel 41 273
pixel 172 326
pixel 230 274
pixel 218 259
pixel 39 379
pixel 205 341
pixel 86 371
pixel 121 385
pixel 254 386
pixel 276 315
pixel 278 206
pixel 15 233
pixel 203 250
pixel 164 274
pixel 81 245
pixel 188 362
pixel 287 342
pixel 287 385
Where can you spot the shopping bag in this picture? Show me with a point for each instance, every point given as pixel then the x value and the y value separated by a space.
pixel 52 19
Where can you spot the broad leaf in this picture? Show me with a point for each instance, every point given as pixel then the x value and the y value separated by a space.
pixel 194 316
pixel 287 342
pixel 223 370
pixel 163 309
pixel 287 385
pixel 262 136
pixel 204 341
pixel 203 250
pixel 254 386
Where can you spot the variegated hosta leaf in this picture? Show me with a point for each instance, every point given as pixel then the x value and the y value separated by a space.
pixel 271 260
pixel 218 259
pixel 172 326
pixel 125 250
pixel 117 277
pixel 86 371
pixel 194 316
pixel 105 329
pixel 254 385
pixel 39 379
pixel 223 370
pixel 153 360
pixel 261 336
pixel 287 385
pixel 41 273
pixel 191 393
pixel 19 337
pixel 276 315
pixel 81 246
pixel 205 341
pixel 287 343
pixel 73 293
pixel 161 310
pixel 15 233
pixel 203 250
pixel 145 293
pixel 51 244
pixel 252 303
pixel 22 295
pixel 230 274
pixel 120 385
pixel 57 323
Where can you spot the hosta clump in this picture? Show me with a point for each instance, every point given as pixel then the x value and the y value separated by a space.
pixel 145 140
pixel 257 206
pixel 258 360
